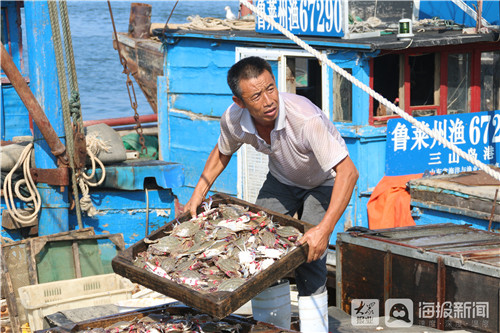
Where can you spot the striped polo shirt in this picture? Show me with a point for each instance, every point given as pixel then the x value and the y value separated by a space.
pixel 305 145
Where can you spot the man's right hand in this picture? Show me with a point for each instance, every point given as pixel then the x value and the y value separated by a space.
pixel 215 164
pixel 193 204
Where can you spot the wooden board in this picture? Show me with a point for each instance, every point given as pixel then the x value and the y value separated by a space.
pixel 218 304
pixel 471 193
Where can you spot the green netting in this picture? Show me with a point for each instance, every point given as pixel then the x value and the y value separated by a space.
pixel 131 142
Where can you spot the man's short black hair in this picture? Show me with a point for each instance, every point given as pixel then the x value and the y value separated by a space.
pixel 246 68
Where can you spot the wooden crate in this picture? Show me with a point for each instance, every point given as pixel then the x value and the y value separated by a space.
pixel 247 325
pixel 222 303
pixel 454 266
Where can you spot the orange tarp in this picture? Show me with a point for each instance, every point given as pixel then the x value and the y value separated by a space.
pixel 389 204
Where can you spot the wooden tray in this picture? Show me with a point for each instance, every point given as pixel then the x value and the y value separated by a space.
pixel 222 303
pixel 247 325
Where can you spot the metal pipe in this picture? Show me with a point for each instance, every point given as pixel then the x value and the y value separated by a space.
pixel 440 291
pixel 150 118
pixel 35 110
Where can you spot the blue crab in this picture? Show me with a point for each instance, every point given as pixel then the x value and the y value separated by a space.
pixel 231 284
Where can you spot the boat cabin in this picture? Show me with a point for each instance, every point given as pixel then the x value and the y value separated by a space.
pixel 435 73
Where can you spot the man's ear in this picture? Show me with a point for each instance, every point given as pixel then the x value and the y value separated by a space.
pixel 239 102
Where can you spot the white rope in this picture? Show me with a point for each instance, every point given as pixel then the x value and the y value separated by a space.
pixel 421 126
pixel 94 146
pixel 86 202
pixel 34 197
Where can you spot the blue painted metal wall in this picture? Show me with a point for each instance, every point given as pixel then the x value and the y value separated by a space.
pixel 194 105
pixel 14 119
pixel 428 213
pixel 53 217
pixel 14 116
pixel 125 212
pixel 193 95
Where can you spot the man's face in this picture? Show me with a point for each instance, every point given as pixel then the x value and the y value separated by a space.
pixel 260 96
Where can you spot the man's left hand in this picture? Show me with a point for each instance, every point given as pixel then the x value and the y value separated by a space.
pixel 318 241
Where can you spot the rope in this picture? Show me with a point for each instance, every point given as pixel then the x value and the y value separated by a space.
pixel 421 126
pixel 75 109
pixel 15 214
pixel 86 201
pixel 365 26
pixel 61 74
pixel 94 146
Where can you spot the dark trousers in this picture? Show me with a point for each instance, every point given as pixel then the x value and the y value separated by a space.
pixel 311 206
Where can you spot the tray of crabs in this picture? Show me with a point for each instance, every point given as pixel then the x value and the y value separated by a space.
pixel 219 260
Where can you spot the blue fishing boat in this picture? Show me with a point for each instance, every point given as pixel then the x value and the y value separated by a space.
pixel 440 70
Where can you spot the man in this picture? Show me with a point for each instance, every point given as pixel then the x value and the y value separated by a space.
pixel 309 166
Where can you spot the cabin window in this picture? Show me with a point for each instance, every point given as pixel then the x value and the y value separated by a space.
pixel 490 82
pixel 386 81
pixel 342 97
pixel 424 84
pixel 459 78
pixel 421 79
pixel 303 77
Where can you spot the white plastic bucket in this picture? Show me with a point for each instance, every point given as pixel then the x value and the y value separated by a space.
pixel 313 313
pixel 273 305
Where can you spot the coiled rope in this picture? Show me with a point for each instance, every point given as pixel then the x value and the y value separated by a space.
pixel 421 126
pixel 16 214
pixel 94 146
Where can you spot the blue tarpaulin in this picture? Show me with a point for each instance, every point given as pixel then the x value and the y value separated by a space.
pixel 460 11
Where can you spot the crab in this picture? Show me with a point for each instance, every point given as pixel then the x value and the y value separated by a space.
pixel 236 225
pixel 167 264
pixel 216 249
pixel 289 232
pixel 229 266
pixel 267 238
pixel 197 248
pixel 222 232
pixel 165 245
pixel 186 229
pixel 231 284
pixel 231 211
pixel 191 278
